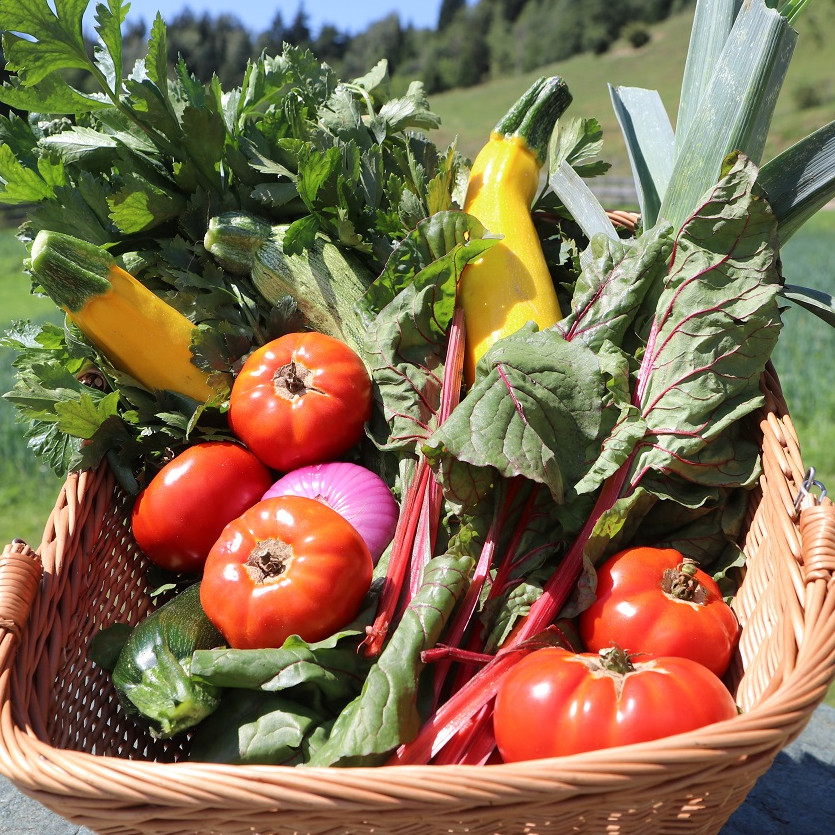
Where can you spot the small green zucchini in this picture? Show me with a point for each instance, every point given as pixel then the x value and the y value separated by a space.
pixel 152 673
pixel 325 281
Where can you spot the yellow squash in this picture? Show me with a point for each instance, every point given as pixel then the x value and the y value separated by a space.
pixel 510 284
pixel 131 326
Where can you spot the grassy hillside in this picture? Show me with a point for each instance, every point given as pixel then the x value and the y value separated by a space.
pixel 470 113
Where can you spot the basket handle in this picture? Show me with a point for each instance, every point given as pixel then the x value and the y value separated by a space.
pixel 817 533
pixel 816 526
pixel 20 576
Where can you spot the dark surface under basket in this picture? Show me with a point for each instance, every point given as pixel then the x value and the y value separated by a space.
pixel 794 795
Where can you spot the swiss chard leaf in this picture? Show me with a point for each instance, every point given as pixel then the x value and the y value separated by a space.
pixel 535 410
pixel 411 305
pixel 437 236
pixel 715 325
pixel 627 429
pixel 609 292
pixel 706 533
pixel 385 713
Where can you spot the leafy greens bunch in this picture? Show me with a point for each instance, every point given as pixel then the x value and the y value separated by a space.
pixel 626 422
pixel 140 167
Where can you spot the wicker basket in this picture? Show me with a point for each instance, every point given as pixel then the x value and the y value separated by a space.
pixel 64 742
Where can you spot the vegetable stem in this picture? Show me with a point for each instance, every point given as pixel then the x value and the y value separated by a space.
pixel 404 538
pixel 532 116
pixel 457 713
pixel 418 522
pixel 464 615
pixel 559 586
pixel 441 652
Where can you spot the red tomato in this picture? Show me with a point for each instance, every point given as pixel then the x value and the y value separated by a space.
pixel 289 565
pixel 301 399
pixel 179 515
pixel 555 703
pixel 640 607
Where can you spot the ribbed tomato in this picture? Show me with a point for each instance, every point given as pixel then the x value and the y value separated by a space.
pixel 289 565
pixel 652 602
pixel 301 399
pixel 555 702
pixel 182 511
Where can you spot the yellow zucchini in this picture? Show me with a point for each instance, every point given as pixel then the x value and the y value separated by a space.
pixel 131 326
pixel 511 283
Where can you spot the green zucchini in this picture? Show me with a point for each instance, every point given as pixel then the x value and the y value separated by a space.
pixel 325 281
pixel 152 672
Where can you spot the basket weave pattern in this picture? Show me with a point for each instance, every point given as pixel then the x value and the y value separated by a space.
pixel 64 741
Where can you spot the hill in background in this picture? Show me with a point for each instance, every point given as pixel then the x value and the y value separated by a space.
pixel 805 104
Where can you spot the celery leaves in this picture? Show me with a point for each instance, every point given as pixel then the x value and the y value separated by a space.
pixel 139 159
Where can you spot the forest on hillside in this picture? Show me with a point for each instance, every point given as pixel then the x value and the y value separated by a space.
pixel 470 43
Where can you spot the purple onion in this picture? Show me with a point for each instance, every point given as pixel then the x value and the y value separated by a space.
pixel 356 493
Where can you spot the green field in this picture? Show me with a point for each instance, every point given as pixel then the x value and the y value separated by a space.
pixel 27 489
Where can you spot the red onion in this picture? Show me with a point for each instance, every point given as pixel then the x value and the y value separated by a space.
pixel 358 494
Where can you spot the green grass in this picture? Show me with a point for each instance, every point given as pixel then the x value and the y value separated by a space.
pixel 27 489
pixel 805 354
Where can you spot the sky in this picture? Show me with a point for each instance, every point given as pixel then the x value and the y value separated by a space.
pixel 351 16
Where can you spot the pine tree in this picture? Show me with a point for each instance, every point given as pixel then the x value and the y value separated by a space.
pixel 449 8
